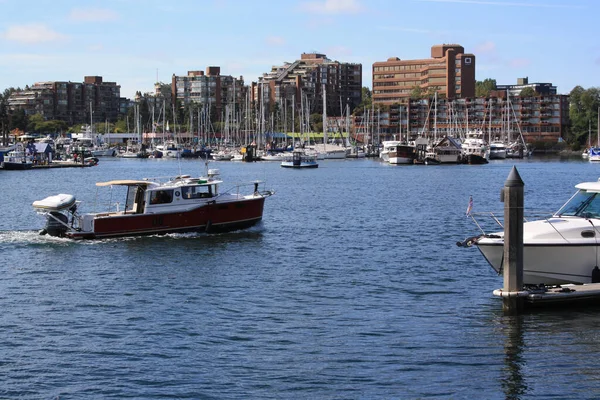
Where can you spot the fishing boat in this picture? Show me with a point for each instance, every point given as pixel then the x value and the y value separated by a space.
pixel 299 159
pixel 559 248
pixel 177 205
pixel 18 158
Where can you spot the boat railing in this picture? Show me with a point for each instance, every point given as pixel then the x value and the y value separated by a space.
pixel 489 221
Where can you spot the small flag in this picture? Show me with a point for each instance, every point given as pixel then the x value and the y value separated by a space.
pixel 470 206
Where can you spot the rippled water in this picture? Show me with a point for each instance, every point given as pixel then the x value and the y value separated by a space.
pixel 351 288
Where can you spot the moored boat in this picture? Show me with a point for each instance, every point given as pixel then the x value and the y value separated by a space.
pixel 181 204
pixel 300 160
pixel 560 248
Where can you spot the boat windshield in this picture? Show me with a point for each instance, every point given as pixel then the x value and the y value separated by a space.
pixel 583 204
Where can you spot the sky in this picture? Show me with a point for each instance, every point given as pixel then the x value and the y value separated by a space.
pixel 136 43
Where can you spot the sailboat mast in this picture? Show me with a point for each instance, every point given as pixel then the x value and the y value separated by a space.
pixel 324 117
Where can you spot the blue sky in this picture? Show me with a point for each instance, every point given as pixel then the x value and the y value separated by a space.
pixel 131 42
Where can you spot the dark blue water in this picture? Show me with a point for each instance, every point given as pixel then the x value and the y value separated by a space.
pixel 351 288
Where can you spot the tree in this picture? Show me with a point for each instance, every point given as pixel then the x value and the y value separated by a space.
pixel 416 92
pixel 483 88
pixel 528 92
pixel 583 113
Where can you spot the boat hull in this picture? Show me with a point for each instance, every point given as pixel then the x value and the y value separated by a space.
pixel 17 166
pixel 550 264
pixel 210 218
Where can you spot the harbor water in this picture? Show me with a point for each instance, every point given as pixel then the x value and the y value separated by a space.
pixel 352 287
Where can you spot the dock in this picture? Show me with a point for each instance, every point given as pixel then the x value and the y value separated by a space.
pixel 62 165
pixel 566 294
pixel 515 295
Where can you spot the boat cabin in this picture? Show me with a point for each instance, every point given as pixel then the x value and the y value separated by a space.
pixel 147 197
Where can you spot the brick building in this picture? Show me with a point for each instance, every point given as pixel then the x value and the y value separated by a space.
pixel 449 72
pixel 300 83
pixel 70 101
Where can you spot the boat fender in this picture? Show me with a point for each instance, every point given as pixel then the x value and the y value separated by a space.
pixel 503 293
pixel 208 226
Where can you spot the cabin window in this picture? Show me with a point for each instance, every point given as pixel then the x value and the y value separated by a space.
pixel 582 204
pixel 161 197
pixel 196 192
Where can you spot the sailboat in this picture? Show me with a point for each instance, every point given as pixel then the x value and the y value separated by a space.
pixel 330 151
pixel 594 154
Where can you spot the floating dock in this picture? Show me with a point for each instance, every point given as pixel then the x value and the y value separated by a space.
pixel 566 294
pixel 515 295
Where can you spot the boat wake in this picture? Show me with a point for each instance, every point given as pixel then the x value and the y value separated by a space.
pixel 30 237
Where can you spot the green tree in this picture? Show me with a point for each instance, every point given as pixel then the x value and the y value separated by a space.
pixel 416 92
pixel 528 92
pixel 583 113
pixel 483 88
pixel 35 123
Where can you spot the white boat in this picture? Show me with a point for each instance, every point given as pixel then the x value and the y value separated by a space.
pixel 57 202
pixel 594 154
pixel 299 159
pixel 474 148
pixel 557 249
pixel 104 151
pixel 18 158
pixel 279 156
pixel 397 152
pixel 497 150
pixel 222 155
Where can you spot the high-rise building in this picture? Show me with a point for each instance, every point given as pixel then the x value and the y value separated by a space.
pixel 208 89
pixel 71 102
pixel 450 72
pixel 300 84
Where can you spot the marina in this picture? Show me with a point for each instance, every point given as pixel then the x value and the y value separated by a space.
pixel 350 287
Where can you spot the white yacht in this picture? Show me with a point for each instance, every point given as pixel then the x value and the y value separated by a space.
pixel 397 152
pixel 497 150
pixel 557 249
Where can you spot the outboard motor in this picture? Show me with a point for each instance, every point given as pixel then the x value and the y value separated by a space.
pixel 54 227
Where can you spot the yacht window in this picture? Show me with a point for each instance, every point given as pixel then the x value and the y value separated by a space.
pixel 161 197
pixel 582 204
pixel 196 192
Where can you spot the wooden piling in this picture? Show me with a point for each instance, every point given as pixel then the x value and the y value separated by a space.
pixel 512 265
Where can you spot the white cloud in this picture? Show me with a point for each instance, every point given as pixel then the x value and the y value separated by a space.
pixel 332 7
pixel 32 34
pixel 338 51
pixel 519 62
pixel 486 47
pixel 505 3
pixel 93 15
pixel 275 40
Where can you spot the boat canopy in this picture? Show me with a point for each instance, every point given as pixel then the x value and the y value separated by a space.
pixel 127 182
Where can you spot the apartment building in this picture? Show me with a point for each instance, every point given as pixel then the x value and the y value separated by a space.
pixel 71 102
pixel 539 118
pixel 210 89
pixel 299 85
pixel 450 72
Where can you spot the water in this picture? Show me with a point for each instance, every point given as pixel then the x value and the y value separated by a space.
pixel 351 288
